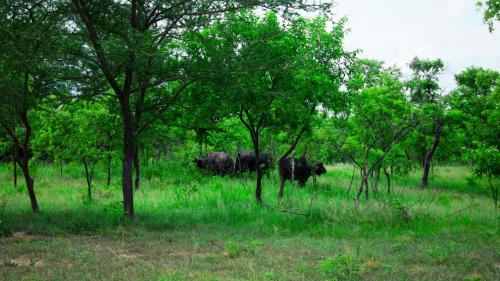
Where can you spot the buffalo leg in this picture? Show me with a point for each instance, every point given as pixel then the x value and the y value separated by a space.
pixel 282 187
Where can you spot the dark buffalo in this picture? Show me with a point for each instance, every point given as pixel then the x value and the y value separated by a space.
pixel 246 161
pixel 217 162
pixel 301 171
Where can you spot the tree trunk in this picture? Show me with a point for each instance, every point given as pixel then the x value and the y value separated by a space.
pixel 30 185
pixel 258 187
pixel 364 177
pixel 429 154
pixel 128 156
pixel 88 176
pixel 14 162
pixel 366 189
pixel 25 163
pixel 388 177
pixel 494 192
pixel 108 179
pixel 61 168
pixel 137 168
pixel 352 179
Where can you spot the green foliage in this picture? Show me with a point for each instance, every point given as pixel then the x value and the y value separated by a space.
pixel 402 211
pixel 475 105
pixel 342 267
pixel 380 118
pixel 230 135
pixel 274 76
pixel 232 249
pixel 486 161
pixel 424 84
pixel 491 12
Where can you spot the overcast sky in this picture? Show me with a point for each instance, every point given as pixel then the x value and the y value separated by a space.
pixel 397 30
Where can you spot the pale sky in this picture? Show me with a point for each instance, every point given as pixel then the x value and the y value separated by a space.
pixel 395 31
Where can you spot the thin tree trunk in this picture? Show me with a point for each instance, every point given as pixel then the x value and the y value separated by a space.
pixel 429 154
pixel 364 177
pixel 30 184
pixel 137 168
pixel 352 179
pixel 14 162
pixel 128 156
pixel 108 179
pixel 366 189
pixel 258 186
pixel 88 176
pixel 61 167
pixel 494 192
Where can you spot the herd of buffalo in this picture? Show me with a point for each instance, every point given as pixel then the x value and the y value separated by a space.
pixel 298 169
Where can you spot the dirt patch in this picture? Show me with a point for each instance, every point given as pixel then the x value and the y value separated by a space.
pixel 19 262
pixel 128 256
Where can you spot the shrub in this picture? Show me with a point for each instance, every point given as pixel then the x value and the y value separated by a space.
pixel 402 211
pixel 232 249
pixel 342 267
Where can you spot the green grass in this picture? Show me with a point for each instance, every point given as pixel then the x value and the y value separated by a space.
pixel 190 226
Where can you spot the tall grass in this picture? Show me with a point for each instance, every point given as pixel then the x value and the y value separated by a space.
pixel 177 196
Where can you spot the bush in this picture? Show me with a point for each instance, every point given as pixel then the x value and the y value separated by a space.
pixel 401 210
pixel 114 212
pixel 232 249
pixel 343 267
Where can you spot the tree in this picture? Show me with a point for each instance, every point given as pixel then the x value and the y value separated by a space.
pixel 486 161
pixel 426 96
pixel 29 71
pixel 201 112
pixel 52 125
pixel 274 76
pixel 473 100
pixel 491 12
pixel 380 119
pixel 135 46
pixel 477 102
pixel 63 132
pixel 89 149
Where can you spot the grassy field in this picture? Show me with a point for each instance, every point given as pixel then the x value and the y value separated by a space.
pixel 190 226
